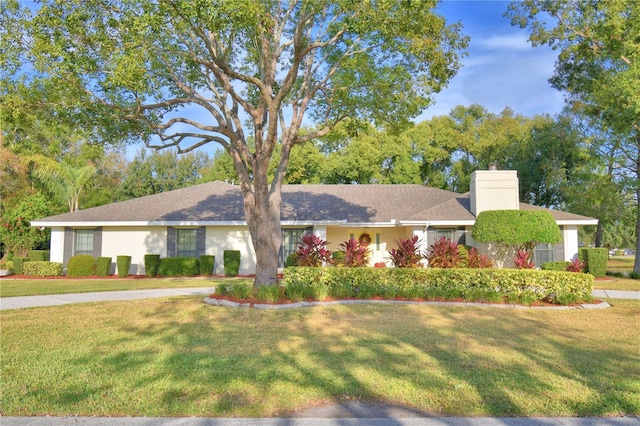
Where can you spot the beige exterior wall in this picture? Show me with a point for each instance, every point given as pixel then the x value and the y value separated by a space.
pixel 221 238
pixel 57 245
pixel 134 242
pixel 378 252
pixel 494 190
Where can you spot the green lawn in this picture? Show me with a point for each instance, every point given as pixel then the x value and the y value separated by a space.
pixel 25 287
pixel 612 283
pixel 180 357
pixel 620 263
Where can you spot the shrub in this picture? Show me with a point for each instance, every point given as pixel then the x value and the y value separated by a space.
pixel 42 268
pixel 356 254
pixel 18 264
pixel 178 267
pixel 103 266
pixel 477 260
pixel 407 255
pixel 151 264
pixel 634 275
pixel 123 264
pixel 380 265
pixel 240 291
pixel 523 260
pixel 312 251
pixel 291 260
pixel 443 254
pixel 576 265
pixel 81 265
pixel 39 255
pixel 555 266
pixel 596 260
pixel 518 286
pixel 521 229
pixel 297 291
pixel 269 293
pixel 337 258
pixel 231 262
pixel 207 263
pixel 463 253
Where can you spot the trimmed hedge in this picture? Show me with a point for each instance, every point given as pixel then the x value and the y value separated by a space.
pixel 123 264
pixel 516 227
pixel 231 262
pixel 42 268
pixel 151 264
pixel 179 267
pixel 103 266
pixel 482 285
pixel 596 260
pixel 81 265
pixel 555 266
pixel 18 264
pixel 39 255
pixel 207 263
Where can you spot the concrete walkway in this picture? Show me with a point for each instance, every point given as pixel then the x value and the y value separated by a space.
pixel 65 299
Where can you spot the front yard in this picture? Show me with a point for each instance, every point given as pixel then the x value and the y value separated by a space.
pixel 180 357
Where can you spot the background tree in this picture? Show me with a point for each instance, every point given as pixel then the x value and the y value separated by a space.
pixel 16 232
pixel 268 64
pixel 598 67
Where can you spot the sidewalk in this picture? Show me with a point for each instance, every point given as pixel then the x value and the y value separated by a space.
pixel 65 299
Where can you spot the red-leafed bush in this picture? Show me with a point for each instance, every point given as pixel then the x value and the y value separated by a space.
pixel 355 253
pixel 444 254
pixel 477 260
pixel 407 255
pixel 312 251
pixel 576 265
pixel 523 260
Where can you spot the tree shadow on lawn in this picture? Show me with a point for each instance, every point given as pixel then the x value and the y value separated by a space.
pixel 207 361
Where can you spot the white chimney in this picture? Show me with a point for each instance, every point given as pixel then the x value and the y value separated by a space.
pixel 494 190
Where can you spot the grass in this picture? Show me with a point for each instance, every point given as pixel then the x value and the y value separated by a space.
pixel 620 263
pixel 618 284
pixel 32 287
pixel 180 357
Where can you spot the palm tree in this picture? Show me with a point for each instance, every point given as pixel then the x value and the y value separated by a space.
pixel 62 178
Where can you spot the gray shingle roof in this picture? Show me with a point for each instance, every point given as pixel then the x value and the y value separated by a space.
pixel 222 202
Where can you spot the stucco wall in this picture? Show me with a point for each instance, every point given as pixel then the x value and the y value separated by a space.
pixel 379 252
pixel 134 242
pixel 221 238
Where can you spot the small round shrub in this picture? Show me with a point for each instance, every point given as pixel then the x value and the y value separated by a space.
pixel 292 260
pixel 81 265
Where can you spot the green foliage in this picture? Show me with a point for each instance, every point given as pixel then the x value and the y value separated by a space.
pixel 554 266
pixel 151 264
pixel 18 264
pixel 231 262
pixel 291 260
pixel 297 291
pixel 595 260
pixel 207 263
pixel 42 268
pixel 241 291
pixel 103 266
pixel 522 286
pixel 178 267
pixel 269 293
pixel 522 229
pixel 16 231
pixel 123 264
pixel 81 265
pixel 39 255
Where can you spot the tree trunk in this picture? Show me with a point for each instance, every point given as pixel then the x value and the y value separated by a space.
pixel 599 234
pixel 262 210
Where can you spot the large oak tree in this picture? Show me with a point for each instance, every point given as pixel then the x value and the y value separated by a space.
pixel 229 72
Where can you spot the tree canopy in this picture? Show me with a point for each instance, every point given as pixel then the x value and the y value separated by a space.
pixel 197 72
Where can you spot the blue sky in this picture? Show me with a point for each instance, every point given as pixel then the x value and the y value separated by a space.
pixel 502 68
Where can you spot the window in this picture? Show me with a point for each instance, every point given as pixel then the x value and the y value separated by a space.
pixel 542 253
pixel 291 238
pixel 186 243
pixel 83 241
pixel 448 233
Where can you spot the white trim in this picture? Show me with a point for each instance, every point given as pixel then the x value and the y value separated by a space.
pixel 439 223
pixel 89 224
pixel 580 222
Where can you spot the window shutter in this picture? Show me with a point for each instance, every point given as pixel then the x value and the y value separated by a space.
pixel 172 242
pixel 67 252
pixel 97 242
pixel 201 241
